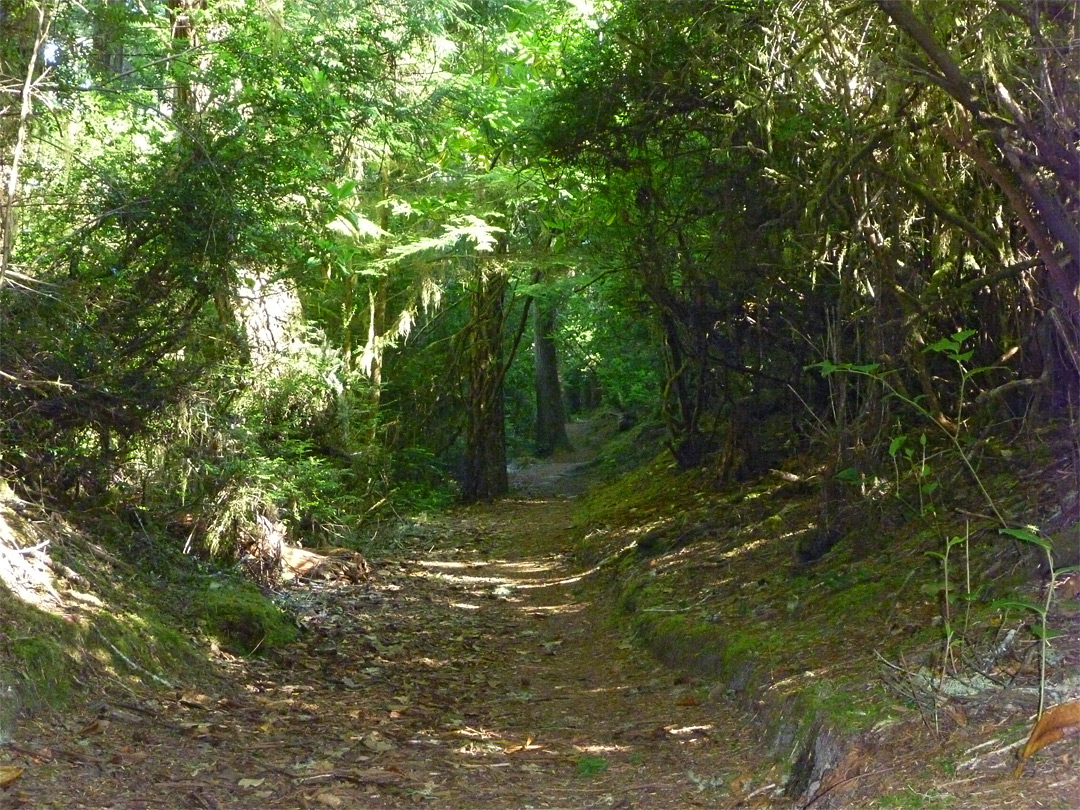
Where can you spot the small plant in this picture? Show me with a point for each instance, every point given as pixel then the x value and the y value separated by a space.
pixel 952 348
pixel 1042 631
pixel 920 470
pixel 948 597
pixel 591 766
pixel 953 429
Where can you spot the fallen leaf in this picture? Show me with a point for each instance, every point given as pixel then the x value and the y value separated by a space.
pixel 739 783
pixel 376 742
pixel 93 727
pixel 526 746
pixel 1056 724
pixel 8 775
pixel 250 783
pixel 329 799
pixel 687 700
pixel 1069 587
pixel 958 715
pixel 195 700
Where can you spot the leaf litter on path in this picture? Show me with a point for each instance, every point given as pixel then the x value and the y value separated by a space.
pixel 453 679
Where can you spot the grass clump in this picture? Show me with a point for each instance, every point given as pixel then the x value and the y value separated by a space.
pixel 44 671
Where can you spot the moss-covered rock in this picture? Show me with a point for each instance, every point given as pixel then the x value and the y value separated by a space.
pixel 242 620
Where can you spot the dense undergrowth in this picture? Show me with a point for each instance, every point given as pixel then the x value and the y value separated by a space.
pixel 914 597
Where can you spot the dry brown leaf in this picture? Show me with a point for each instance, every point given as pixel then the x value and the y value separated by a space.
pixel 739 783
pixel 329 799
pixel 1055 724
pixel 195 700
pixel 8 775
pixel 958 715
pixel 94 727
pixel 1069 587
pixel 527 746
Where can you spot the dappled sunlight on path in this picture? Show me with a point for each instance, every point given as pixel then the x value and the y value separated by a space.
pixel 477 671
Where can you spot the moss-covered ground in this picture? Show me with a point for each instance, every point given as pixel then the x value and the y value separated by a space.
pixel 899 617
pixel 80 610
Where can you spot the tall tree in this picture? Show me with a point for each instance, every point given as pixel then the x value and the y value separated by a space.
pixel 551 433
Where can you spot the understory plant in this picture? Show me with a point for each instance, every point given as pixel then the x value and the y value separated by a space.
pixel 1041 610
pixel 953 349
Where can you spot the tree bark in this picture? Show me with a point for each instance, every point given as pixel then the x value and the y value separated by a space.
pixel 484 476
pixel 550 411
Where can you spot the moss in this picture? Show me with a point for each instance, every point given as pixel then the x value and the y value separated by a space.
pixel 242 620
pixel 144 641
pixel 706 649
pixel 44 671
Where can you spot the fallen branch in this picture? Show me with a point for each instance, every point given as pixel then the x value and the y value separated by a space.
pixel 141 670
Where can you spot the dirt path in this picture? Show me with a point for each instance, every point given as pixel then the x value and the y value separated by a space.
pixel 478 672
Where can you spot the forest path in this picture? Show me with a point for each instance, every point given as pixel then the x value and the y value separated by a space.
pixel 477 671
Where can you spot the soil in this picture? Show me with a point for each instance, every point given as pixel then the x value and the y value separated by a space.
pixel 478 670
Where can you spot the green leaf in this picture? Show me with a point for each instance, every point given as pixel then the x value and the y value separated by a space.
pixel 355 227
pixel 943 346
pixel 1028 536
pixel 866 368
pixel 896 444
pixel 1045 633
pixel 1021 604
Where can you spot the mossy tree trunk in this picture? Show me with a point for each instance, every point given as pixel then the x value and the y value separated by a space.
pixel 484 476
pixel 550 412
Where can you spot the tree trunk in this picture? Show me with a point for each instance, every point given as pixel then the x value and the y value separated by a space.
pixel 24 29
pixel 550 413
pixel 484 476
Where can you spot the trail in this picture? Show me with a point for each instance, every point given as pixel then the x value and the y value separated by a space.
pixel 477 671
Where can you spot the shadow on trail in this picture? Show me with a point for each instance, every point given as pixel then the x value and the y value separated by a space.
pixel 478 671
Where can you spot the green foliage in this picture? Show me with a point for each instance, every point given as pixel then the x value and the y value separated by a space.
pixel 289 446
pixel 713 196
pixel 590 765
pixel 1042 631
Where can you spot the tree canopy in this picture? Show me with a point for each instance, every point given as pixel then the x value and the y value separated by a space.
pixel 288 258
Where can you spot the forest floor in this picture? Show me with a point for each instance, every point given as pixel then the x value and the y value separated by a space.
pixel 480 669
pixel 477 672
